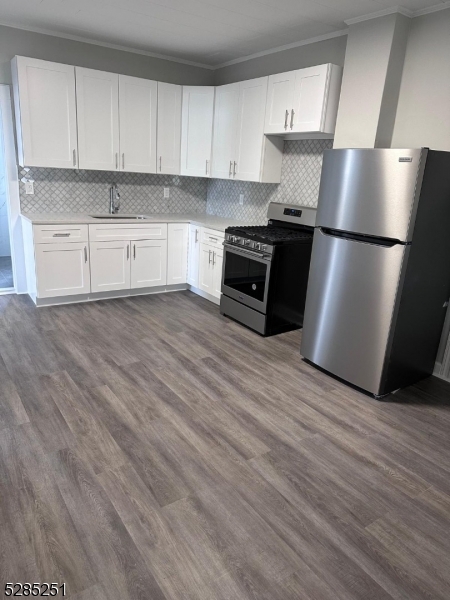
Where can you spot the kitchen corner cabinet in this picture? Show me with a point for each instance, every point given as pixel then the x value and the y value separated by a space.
pixel 45 109
pixel 138 100
pixel 169 128
pixel 241 151
pixel 177 252
pixel 193 255
pixel 197 130
pixel 303 102
pixel 98 119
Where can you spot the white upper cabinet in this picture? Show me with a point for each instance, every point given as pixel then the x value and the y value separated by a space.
pixel 257 157
pixel 304 101
pixel 138 100
pixel 226 110
pixel 196 130
pixel 46 117
pixel 169 128
pixel 98 119
pixel 280 100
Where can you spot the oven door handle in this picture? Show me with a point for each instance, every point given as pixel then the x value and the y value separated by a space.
pixel 249 253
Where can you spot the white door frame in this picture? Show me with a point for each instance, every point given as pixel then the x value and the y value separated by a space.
pixel 12 190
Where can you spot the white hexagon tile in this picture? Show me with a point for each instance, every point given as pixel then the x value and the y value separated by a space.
pixel 300 179
pixel 64 190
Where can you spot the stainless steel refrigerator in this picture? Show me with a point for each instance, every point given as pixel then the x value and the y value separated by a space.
pixel 379 280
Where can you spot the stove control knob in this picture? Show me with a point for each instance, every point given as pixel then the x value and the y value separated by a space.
pixel 237 240
pixel 263 247
pixel 246 242
pixel 257 246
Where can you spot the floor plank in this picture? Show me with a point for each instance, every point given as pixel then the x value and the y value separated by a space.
pixel 152 449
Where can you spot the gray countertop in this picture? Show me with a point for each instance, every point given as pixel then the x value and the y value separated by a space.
pixel 203 220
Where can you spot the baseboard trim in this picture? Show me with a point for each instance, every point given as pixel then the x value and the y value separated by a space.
pixel 58 300
pixel 203 294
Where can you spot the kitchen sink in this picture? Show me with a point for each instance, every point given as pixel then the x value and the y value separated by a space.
pixel 118 216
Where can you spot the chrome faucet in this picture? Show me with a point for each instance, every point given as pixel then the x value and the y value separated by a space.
pixel 114 199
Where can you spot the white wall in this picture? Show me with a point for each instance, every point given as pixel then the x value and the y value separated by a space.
pixel 5 247
pixel 47 47
pixel 308 55
pixel 423 113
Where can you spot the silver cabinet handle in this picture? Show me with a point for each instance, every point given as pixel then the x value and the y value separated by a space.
pixel 61 235
pixel 209 261
pixel 292 118
pixel 117 160
pixel 234 168
pixel 128 252
pixel 214 258
pixel 85 254
pixel 211 239
pixel 160 159
pixel 207 161
pixel 74 157
pixel 123 160
pixel 134 251
pixel 231 169
pixel 196 235
pixel 286 117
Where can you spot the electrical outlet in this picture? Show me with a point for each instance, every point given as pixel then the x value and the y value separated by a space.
pixel 241 199
pixel 166 192
pixel 29 187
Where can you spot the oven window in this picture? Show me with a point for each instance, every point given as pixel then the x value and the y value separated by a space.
pixel 245 275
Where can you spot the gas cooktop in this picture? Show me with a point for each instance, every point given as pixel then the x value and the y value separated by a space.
pixel 268 234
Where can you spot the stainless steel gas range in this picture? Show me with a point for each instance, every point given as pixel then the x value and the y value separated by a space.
pixel 265 271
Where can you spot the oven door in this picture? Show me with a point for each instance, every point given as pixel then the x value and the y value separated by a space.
pixel 245 276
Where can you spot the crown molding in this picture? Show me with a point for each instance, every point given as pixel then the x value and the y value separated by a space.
pixel 319 38
pixel 85 40
pixel 381 13
pixel 432 9
pixel 400 10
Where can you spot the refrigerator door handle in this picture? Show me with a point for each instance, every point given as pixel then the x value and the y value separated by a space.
pixel 361 238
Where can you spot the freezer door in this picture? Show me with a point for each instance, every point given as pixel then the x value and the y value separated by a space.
pixel 352 292
pixel 371 191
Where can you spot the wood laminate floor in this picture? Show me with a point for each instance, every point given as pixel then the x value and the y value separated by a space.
pixel 152 449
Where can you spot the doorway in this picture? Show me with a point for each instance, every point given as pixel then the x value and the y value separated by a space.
pixel 6 270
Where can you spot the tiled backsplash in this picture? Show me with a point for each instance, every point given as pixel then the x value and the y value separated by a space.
pixel 300 179
pixel 64 190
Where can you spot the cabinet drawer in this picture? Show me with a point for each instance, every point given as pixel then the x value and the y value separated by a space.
pixel 55 234
pixel 212 237
pixel 108 232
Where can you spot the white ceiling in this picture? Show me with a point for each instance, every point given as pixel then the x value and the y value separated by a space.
pixel 209 32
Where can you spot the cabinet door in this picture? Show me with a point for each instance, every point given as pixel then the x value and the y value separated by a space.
pixel 217 273
pixel 206 273
pixel 280 102
pixel 46 116
pixel 252 106
pixel 226 108
pixel 169 128
pixel 149 263
pixel 309 99
pixel 177 253
pixel 110 266
pixel 98 119
pixel 196 130
pixel 62 269
pixel 194 255
pixel 137 115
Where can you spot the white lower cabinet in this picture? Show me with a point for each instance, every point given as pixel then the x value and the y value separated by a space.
pixel 210 275
pixel 177 250
pixel 110 266
pixel 148 263
pixel 62 269
pixel 193 255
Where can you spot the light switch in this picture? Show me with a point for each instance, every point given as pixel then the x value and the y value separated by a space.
pixel 29 187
